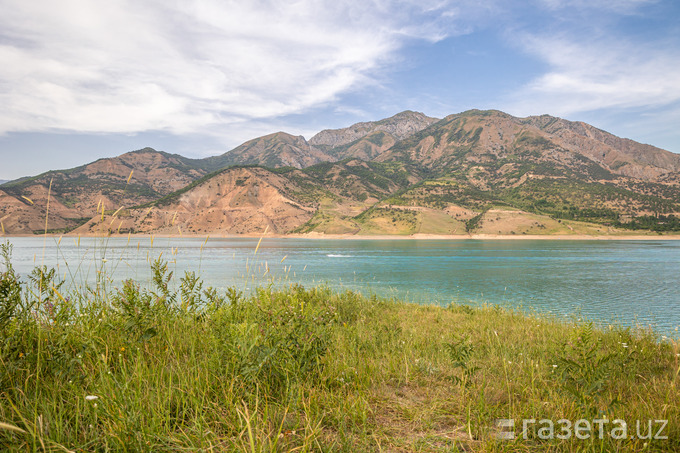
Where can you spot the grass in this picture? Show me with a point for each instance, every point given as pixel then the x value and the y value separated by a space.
pixel 309 369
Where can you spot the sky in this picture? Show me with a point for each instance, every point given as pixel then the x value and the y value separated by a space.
pixel 81 80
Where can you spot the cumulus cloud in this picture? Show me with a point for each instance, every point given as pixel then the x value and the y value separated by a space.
pixel 122 66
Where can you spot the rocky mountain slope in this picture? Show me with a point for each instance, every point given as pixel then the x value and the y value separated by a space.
pixel 75 195
pixel 275 150
pixel 363 140
pixel 367 140
pixel 235 200
pixel 481 171
pixel 481 136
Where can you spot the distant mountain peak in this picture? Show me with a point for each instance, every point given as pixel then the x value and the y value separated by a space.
pixel 279 149
pixel 146 149
pixel 400 126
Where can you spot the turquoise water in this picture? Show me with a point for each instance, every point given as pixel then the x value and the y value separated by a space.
pixel 630 282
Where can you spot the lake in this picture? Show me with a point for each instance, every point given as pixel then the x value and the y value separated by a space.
pixel 630 282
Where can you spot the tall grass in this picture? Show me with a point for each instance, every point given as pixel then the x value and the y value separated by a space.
pixel 184 367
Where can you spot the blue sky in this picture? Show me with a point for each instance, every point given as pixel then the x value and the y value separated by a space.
pixel 80 80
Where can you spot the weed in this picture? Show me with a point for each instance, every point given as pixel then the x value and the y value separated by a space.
pixel 584 371
pixel 460 352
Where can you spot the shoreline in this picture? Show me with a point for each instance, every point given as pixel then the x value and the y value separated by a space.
pixel 417 236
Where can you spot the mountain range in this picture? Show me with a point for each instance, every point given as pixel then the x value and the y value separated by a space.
pixel 472 172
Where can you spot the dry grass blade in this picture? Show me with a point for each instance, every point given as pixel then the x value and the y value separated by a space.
pixel 8 427
pixel 260 241
pixel 47 211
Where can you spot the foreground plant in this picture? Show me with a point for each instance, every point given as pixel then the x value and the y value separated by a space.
pixel 299 369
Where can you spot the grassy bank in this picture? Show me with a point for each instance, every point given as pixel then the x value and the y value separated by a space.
pixel 308 369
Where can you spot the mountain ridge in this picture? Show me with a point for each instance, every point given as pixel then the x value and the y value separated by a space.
pixel 406 174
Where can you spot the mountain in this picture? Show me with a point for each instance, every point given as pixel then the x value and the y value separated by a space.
pixel 77 194
pixel 275 150
pixel 250 199
pixel 399 126
pixel 363 140
pixel 542 165
pixel 620 155
pixel 479 136
pixel 476 171
pixel 369 139
pixel 232 201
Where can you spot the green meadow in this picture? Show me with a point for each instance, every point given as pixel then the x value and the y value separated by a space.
pixel 178 366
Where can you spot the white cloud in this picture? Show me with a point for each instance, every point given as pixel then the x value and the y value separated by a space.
pixel 122 66
pixel 588 75
pixel 618 6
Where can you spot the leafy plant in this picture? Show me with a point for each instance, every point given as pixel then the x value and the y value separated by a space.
pixel 190 292
pixel 460 352
pixel 137 311
pixel 585 371
pixel 161 276
pixel 10 288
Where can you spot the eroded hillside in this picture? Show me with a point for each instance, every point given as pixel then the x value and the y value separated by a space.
pixel 477 171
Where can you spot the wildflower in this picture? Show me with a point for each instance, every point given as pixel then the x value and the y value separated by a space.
pixel 122 349
pixel 21 354
pixel 554 366
pixel 91 398
pixel 625 345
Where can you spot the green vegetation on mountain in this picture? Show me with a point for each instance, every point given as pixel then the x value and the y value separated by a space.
pixel 443 172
